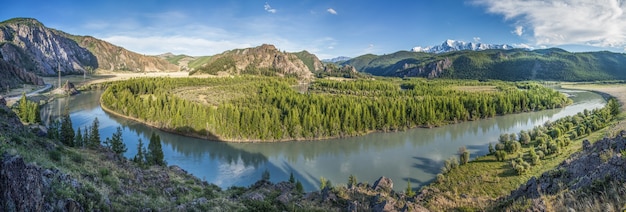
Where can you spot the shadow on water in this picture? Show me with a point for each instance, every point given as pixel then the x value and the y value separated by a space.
pixel 414 155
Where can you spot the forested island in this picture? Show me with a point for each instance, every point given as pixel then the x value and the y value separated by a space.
pixel 249 108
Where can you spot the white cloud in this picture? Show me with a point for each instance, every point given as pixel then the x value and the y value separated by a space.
pixel 477 39
pixel 523 46
pixel 176 44
pixel 561 22
pixel 519 30
pixel 331 11
pixel 269 8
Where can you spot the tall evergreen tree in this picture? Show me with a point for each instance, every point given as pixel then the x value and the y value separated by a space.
pixel 66 135
pixel 53 130
pixel 23 108
pixel 140 157
pixel 86 136
pixel 78 139
pixel 155 152
pixel 117 142
pixel 94 134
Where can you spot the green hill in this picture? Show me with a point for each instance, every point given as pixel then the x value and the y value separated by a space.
pixel 516 64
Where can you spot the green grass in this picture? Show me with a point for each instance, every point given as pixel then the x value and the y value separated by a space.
pixel 199 61
pixel 486 179
pixel 174 59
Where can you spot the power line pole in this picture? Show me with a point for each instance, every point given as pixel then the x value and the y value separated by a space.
pixel 59 70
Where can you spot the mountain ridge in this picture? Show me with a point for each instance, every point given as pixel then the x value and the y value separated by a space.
pixel 512 65
pixel 262 60
pixel 29 44
pixel 454 45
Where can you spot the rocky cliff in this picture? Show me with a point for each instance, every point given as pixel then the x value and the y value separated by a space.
pixel 28 44
pixel 262 60
pixel 12 76
pixel 114 58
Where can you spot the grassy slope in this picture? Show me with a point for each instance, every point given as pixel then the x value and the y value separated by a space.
pixel 199 61
pixel 484 179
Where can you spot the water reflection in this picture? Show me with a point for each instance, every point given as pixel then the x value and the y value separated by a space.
pixel 414 155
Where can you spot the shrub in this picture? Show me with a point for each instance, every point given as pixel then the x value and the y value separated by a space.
pixel 55 155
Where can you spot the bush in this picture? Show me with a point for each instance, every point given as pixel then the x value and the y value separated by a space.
pixel 500 155
pixel 55 155
pixel 441 178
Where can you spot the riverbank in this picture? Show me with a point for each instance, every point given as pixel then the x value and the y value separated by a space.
pixel 479 184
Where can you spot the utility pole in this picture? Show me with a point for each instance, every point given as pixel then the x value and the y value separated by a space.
pixel 59 70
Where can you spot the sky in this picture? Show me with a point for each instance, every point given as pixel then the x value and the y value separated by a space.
pixel 332 28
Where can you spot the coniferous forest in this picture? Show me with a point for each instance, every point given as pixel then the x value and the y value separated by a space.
pixel 271 109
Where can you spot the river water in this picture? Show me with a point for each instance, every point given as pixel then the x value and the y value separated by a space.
pixel 416 155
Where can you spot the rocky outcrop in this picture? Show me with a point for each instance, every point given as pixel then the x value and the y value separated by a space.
pixel 383 184
pixel 29 45
pixel 27 187
pixel 262 60
pixel 431 70
pixel 12 76
pixel 42 50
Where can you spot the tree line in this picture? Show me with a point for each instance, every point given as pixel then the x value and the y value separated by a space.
pixel 276 111
pixel 62 131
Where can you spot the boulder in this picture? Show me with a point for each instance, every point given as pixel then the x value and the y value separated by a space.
pixel 383 184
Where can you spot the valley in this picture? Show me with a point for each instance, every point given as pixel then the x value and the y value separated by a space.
pixel 460 126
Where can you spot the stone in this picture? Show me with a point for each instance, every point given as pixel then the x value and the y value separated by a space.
pixel 383 184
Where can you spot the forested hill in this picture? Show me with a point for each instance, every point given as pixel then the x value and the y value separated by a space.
pixel 28 44
pixel 515 64
pixel 262 60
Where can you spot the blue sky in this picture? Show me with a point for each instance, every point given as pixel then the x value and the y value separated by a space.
pixel 331 28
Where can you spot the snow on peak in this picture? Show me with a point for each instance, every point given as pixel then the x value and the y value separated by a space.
pixel 453 45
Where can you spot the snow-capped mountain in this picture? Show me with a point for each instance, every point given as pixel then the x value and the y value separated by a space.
pixel 453 45
pixel 336 59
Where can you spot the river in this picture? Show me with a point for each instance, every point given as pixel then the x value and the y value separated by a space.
pixel 416 155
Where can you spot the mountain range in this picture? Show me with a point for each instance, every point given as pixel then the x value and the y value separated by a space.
pixel 28 50
pixel 514 64
pixel 453 45
pixel 27 44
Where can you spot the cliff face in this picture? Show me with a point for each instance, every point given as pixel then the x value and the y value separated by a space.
pixel 12 76
pixel 115 58
pixel 262 60
pixel 28 44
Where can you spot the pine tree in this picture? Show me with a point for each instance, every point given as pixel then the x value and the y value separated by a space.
pixel 86 136
pixel 117 142
pixel 352 181
pixel 66 135
pixel 78 139
pixel 53 130
pixel 23 108
pixel 409 190
pixel 155 152
pixel 291 178
pixel 94 134
pixel 140 157
pixel 299 187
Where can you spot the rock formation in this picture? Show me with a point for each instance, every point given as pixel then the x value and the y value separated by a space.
pixel 28 44
pixel 262 60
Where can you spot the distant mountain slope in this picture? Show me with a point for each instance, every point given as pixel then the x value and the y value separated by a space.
pixel 28 44
pixel 337 59
pixel 453 45
pixel 515 64
pixel 261 60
